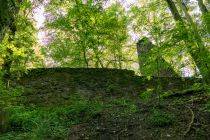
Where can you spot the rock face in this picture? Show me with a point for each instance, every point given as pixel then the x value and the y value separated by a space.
pixel 149 63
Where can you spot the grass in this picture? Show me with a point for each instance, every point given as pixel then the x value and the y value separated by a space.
pixel 37 123
pixel 127 105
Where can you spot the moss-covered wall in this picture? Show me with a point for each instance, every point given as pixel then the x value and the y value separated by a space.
pixel 55 85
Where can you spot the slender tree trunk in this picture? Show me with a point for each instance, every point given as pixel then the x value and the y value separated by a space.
pixel 202 7
pixel 3 18
pixel 2 32
pixel 174 10
pixel 200 54
pixel 97 52
pixel 7 22
pixel 98 60
pixel 195 32
pixel 198 40
pixel 85 57
pixel 205 13
pixel 8 10
pixel 7 60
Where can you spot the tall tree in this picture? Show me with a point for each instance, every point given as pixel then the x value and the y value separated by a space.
pixel 16 46
pixel 158 26
pixel 205 14
pixel 202 7
pixel 8 10
pixel 174 10
pixel 200 54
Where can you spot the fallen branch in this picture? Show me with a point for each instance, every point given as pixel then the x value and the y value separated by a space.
pixel 203 99
pixel 175 93
pixel 191 122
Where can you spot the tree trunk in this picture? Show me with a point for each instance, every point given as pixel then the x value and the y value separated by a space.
pixel 7 22
pixel 8 10
pixel 204 66
pixel 200 54
pixel 195 31
pixel 3 17
pixel 205 13
pixel 7 60
pixel 202 7
pixel 174 10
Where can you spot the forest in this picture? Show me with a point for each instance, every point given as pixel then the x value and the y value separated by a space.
pixel 104 69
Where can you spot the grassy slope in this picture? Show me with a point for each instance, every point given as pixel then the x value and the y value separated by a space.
pixel 108 104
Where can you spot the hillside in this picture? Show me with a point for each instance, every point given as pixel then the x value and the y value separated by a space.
pixel 108 104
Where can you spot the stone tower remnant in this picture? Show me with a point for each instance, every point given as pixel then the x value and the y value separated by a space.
pixel 149 63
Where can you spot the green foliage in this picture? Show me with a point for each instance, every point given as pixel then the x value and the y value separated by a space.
pixel 11 96
pixel 18 45
pixel 178 42
pixel 49 122
pixel 146 95
pixel 88 36
pixel 160 118
pixel 207 106
pixel 197 86
pixel 8 98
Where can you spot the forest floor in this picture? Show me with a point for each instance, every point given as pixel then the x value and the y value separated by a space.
pixel 107 104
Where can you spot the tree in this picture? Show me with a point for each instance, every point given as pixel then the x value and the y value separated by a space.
pixel 88 35
pixel 202 7
pixel 205 13
pixel 8 10
pixel 19 37
pixel 199 53
pixel 158 27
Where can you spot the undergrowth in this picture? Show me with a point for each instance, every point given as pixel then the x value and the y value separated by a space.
pixel 127 106
pixel 48 122
pixel 37 123
pixel 159 118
